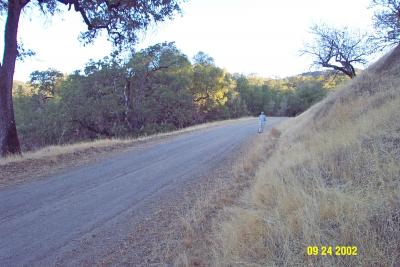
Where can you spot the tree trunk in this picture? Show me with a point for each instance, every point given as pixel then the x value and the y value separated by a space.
pixel 128 104
pixel 9 143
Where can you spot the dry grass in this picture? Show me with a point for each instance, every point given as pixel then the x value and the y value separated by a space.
pixel 48 160
pixel 333 180
pixel 179 232
pixel 196 236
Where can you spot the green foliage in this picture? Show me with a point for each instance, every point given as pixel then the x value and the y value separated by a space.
pixel 121 20
pixel 38 125
pixel 284 97
pixel 211 87
pixel 158 78
pixel 94 102
pixel 44 83
pixel 156 89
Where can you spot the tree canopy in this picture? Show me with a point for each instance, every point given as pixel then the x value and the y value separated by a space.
pixel 387 21
pixel 121 19
pixel 156 89
pixel 339 48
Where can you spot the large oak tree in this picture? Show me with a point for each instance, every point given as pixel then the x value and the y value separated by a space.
pixel 339 49
pixel 121 19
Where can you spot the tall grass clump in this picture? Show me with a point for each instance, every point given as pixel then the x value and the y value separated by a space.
pixel 332 181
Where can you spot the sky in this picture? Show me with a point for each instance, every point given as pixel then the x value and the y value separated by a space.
pixel 260 37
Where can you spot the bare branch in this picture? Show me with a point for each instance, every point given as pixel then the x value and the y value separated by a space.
pixel 338 49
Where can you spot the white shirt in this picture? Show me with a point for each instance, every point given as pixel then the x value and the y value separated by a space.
pixel 262 118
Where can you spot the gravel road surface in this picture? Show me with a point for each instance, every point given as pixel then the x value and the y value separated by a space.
pixel 49 221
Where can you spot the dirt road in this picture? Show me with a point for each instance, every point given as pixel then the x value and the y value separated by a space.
pixel 72 217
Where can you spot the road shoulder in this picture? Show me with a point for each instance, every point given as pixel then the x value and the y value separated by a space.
pixel 57 159
pixel 178 231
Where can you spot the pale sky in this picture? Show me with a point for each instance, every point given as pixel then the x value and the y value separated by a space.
pixel 245 36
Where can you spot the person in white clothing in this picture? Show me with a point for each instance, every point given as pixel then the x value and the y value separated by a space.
pixel 262 119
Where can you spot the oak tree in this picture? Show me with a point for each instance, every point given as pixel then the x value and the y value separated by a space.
pixel 338 49
pixel 121 19
pixel 43 84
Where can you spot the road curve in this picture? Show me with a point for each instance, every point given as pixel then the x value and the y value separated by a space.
pixel 44 220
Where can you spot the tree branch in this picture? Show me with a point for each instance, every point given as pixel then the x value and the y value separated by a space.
pixel 79 9
pixel 207 96
pixel 111 6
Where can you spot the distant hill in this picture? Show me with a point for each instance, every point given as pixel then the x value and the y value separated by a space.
pixel 325 73
pixel 318 73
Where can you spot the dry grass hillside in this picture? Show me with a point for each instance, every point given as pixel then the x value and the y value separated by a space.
pixel 332 181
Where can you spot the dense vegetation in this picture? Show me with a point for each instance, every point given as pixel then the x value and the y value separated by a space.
pixel 156 89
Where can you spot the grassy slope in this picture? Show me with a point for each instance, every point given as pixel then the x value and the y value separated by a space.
pixel 333 180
